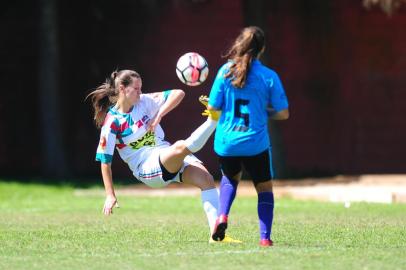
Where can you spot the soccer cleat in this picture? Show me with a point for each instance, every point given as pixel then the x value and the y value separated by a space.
pixel 226 239
pixel 212 114
pixel 266 243
pixel 220 227
pixel 204 100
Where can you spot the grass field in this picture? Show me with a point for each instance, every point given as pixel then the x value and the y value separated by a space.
pixel 48 227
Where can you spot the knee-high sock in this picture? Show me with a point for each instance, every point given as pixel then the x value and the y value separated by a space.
pixel 200 136
pixel 228 189
pixel 265 214
pixel 210 200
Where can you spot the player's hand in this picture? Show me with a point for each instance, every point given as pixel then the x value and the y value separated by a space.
pixel 109 203
pixel 154 122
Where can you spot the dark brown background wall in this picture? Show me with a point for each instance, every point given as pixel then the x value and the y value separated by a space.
pixel 343 68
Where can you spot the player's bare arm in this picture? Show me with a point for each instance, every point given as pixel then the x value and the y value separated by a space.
pixel 174 98
pixel 281 115
pixel 111 199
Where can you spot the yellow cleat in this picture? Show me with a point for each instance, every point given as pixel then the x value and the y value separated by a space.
pixel 212 114
pixel 227 239
pixel 204 100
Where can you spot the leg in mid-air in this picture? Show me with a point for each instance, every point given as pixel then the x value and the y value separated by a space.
pixel 173 156
pixel 200 136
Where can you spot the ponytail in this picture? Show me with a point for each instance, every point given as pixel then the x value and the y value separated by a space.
pixel 245 49
pixel 107 94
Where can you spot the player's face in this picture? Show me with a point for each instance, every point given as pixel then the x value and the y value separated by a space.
pixel 133 91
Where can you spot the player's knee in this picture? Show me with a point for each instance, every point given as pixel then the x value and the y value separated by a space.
pixel 234 178
pixel 207 181
pixel 179 147
pixel 265 186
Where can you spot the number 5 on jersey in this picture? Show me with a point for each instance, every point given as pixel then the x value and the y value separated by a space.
pixel 238 114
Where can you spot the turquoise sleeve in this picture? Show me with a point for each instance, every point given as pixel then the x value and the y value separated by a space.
pixel 166 94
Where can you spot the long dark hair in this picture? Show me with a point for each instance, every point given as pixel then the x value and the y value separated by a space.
pixel 245 48
pixel 106 94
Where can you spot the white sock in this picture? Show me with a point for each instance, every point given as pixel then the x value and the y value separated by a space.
pixel 199 137
pixel 210 200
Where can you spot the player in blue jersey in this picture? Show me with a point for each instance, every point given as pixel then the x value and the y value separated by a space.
pixel 248 94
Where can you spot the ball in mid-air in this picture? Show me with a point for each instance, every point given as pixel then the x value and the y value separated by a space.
pixel 192 69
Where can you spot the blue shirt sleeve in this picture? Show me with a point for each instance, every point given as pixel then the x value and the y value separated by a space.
pixel 278 99
pixel 216 97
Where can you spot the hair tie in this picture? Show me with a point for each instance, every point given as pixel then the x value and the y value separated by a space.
pixel 113 78
pixel 110 82
pixel 114 75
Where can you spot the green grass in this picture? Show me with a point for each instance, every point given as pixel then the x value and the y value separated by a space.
pixel 48 227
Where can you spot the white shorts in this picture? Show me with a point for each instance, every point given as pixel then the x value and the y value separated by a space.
pixel 150 173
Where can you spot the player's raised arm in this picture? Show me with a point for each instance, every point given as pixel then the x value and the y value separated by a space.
pixel 173 99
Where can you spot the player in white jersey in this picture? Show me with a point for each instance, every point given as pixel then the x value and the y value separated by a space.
pixel 129 122
pixel 137 146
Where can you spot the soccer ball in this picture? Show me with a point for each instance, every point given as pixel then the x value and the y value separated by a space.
pixel 192 69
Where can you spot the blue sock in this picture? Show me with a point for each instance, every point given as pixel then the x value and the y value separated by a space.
pixel 265 214
pixel 228 189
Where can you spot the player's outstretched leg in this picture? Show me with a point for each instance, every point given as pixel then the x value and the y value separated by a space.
pixel 200 136
pixel 172 157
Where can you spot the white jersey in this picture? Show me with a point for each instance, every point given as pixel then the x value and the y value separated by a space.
pixel 128 132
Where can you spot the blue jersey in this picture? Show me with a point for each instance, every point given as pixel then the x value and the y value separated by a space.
pixel 242 129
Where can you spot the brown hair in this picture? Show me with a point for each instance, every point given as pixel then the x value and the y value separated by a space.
pixel 245 48
pixel 106 94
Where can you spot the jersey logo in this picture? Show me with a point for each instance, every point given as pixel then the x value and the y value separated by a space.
pixel 139 124
pixel 143 121
pixel 269 82
pixel 147 140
